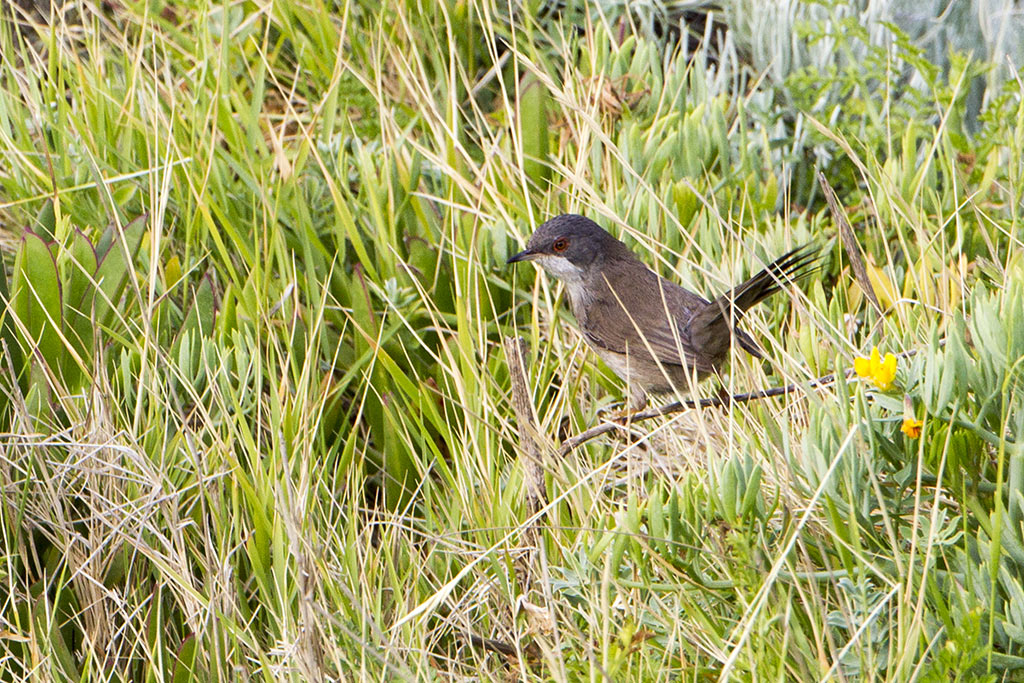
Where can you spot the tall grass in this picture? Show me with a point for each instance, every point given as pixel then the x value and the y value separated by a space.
pixel 267 430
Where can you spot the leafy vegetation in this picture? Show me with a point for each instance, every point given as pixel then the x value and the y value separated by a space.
pixel 257 414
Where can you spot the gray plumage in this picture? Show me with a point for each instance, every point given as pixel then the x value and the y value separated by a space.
pixel 653 333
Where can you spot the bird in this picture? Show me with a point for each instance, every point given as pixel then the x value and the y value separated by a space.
pixel 652 333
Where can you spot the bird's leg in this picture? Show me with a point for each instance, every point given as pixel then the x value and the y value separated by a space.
pixel 637 398
pixel 724 396
pixel 637 402
pixel 613 410
pixel 622 412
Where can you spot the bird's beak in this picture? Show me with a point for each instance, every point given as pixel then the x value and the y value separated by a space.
pixel 525 255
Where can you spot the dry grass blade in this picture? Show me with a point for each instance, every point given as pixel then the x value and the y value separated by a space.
pixel 530 451
pixel 849 242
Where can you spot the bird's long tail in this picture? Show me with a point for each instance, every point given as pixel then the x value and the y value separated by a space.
pixel 716 320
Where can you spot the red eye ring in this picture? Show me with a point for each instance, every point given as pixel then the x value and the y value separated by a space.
pixel 560 245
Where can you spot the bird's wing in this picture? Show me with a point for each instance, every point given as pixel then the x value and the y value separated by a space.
pixel 615 317
pixel 680 328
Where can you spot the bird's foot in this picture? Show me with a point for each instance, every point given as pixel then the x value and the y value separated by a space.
pixel 622 413
pixel 616 412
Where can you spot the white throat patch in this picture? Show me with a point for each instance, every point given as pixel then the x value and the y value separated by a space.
pixel 566 271
pixel 559 267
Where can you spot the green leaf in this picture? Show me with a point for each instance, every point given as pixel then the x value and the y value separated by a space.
pixel 657 530
pixel 115 265
pixel 533 128
pixel 78 302
pixel 203 313
pixel 752 490
pixel 185 665
pixel 46 221
pixel 37 398
pixel 53 640
pixel 8 338
pixel 36 300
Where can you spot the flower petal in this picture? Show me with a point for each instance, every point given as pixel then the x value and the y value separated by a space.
pixel 911 427
pixel 886 372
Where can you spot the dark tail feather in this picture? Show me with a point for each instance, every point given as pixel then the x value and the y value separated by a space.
pixel 788 268
pixel 714 322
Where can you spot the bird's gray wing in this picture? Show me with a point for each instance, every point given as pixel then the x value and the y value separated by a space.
pixel 641 300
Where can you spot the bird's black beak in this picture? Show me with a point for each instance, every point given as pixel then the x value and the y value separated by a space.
pixel 525 255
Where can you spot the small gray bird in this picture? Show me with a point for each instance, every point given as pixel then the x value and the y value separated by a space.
pixel 652 333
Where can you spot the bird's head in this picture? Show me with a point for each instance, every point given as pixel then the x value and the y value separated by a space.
pixel 568 246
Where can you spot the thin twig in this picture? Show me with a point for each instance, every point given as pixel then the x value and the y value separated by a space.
pixel 679 406
pixel 531 650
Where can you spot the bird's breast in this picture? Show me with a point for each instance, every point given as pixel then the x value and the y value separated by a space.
pixel 580 298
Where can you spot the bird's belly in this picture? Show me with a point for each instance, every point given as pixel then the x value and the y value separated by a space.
pixel 645 371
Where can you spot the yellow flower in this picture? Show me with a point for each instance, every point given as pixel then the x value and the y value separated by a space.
pixel 862 366
pixel 886 372
pixel 911 427
pixel 881 371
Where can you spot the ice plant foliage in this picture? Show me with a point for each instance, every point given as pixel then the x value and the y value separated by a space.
pixel 881 371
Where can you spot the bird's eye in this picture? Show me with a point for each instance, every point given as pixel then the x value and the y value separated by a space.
pixel 560 245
